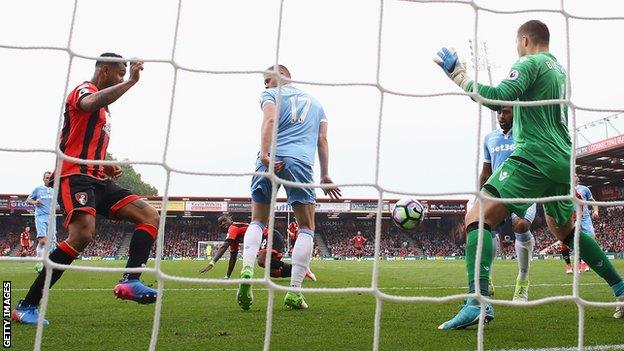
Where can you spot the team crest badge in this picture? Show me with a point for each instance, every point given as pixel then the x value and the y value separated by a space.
pixel 81 197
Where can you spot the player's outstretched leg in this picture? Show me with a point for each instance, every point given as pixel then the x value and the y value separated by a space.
pixel 590 252
pixel 471 309
pixel 251 244
pixel 130 287
pixel 524 252
pixel 26 311
pixel 302 253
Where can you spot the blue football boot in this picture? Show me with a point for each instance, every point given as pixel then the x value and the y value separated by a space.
pixel 26 314
pixel 468 315
pixel 133 289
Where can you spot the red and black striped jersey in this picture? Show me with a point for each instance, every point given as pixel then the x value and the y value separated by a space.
pixel 85 134
pixel 236 232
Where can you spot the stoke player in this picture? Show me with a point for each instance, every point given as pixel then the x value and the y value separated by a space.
pixel 25 243
pixel 358 244
pixel 293 232
pixel 87 189
pixel 236 233
pixel 497 147
pixel 587 225
pixel 41 198
pixel 538 167
pixel 301 128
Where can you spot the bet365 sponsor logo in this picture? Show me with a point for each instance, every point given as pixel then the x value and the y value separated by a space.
pixel 6 314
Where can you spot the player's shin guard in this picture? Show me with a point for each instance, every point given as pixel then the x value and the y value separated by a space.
pixel 592 254
pixel 524 252
pixel 301 255
pixel 486 257
pixel 64 254
pixel 140 248
pixel 251 243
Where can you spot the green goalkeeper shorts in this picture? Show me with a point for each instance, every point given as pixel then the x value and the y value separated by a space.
pixel 519 178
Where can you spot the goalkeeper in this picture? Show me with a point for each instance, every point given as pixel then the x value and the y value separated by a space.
pixel 538 167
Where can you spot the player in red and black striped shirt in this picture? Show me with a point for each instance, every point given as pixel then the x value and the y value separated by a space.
pixel 89 189
pixel 236 234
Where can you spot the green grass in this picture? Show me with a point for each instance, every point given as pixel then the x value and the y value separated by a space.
pixel 206 317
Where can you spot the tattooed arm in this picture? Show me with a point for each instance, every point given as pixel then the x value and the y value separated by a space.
pixel 109 95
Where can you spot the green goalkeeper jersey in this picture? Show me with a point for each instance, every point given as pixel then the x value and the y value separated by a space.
pixel 540 132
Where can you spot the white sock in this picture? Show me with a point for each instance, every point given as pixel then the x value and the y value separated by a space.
pixel 524 253
pixel 495 249
pixel 301 255
pixel 251 243
pixel 39 250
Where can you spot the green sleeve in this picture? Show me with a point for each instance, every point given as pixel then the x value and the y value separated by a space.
pixel 521 76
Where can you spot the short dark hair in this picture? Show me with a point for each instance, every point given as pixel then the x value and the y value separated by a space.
pixel 281 67
pixel 223 217
pixel 46 172
pixel 536 30
pixel 108 54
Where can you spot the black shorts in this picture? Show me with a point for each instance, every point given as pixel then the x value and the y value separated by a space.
pixel 93 196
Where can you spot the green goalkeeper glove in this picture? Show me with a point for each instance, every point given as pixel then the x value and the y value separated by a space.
pixel 449 62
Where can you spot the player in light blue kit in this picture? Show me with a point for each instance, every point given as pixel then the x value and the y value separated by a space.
pixel 587 225
pixel 41 197
pixel 301 129
pixel 497 147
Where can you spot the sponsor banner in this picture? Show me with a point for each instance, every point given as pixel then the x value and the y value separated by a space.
pixel 334 207
pixel 239 207
pixel 434 208
pixel 367 207
pixel 205 206
pixel 600 146
pixel 172 206
pixel 246 207
pixel 4 204
pixel 18 204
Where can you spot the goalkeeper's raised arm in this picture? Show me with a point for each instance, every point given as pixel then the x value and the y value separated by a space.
pixel 522 75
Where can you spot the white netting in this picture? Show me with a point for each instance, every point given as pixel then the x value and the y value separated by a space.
pixel 373 289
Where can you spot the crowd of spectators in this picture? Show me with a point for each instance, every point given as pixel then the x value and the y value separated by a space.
pixel 442 237
pixel 338 235
pixel 182 235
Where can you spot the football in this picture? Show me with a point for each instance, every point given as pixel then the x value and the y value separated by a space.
pixel 408 213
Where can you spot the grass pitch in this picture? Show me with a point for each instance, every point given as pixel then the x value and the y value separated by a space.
pixel 84 315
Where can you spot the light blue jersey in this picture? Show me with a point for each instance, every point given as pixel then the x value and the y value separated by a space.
pixel 44 195
pixel 497 147
pixel 586 222
pixel 299 119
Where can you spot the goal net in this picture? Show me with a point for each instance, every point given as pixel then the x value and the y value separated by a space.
pixel 206 247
